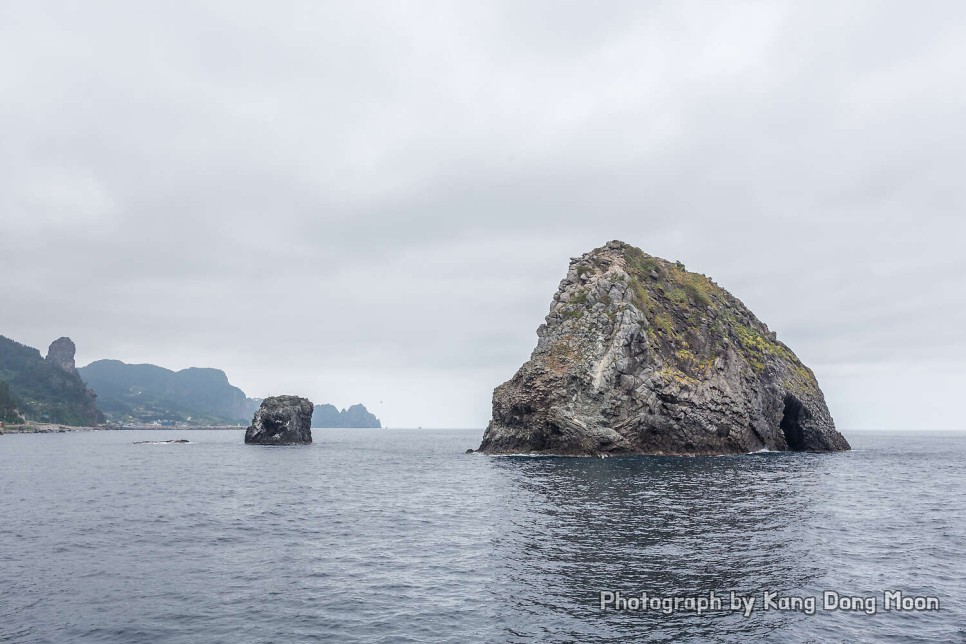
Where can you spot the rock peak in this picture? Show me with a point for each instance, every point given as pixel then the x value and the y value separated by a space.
pixel 61 354
pixel 640 355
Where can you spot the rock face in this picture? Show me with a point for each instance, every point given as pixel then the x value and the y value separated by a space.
pixel 61 354
pixel 640 356
pixel 281 420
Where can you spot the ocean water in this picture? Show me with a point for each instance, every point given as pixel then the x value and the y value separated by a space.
pixel 398 536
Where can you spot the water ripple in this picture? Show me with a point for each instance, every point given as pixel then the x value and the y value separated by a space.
pixel 396 536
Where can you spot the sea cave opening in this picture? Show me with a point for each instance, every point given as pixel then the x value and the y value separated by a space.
pixel 791 424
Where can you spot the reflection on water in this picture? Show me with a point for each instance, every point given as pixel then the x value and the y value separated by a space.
pixel 682 526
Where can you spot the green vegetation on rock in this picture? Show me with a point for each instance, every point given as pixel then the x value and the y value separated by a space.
pixel 9 413
pixel 685 309
pixel 640 355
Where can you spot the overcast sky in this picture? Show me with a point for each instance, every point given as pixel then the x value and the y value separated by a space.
pixel 374 202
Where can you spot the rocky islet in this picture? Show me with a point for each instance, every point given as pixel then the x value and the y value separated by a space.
pixel 281 420
pixel 640 356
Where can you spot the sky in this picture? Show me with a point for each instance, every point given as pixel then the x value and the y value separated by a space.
pixel 375 201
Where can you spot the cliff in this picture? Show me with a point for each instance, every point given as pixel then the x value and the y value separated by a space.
pixel 640 356
pixel 44 389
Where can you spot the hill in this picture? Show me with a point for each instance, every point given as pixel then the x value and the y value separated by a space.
pixel 44 389
pixel 9 412
pixel 146 393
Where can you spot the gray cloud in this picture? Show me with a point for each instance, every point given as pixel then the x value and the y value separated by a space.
pixel 376 201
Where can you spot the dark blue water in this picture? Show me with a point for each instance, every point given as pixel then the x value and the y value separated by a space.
pixel 397 536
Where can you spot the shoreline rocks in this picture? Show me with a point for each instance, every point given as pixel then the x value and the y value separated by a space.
pixel 281 420
pixel 640 356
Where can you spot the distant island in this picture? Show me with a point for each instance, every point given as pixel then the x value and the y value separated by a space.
pixel 356 416
pixel 51 390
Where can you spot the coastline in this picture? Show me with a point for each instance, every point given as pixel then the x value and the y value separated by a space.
pixel 54 428
pixel 43 428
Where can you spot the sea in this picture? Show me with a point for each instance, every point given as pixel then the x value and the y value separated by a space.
pixel 399 536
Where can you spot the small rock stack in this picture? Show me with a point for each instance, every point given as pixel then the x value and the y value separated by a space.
pixel 281 420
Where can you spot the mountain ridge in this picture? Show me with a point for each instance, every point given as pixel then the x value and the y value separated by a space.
pixel 143 392
pixel 147 393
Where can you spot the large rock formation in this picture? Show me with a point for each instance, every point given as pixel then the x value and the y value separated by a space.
pixel 640 356
pixel 281 420
pixel 60 353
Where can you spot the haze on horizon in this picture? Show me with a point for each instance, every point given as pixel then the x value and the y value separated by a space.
pixel 374 202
